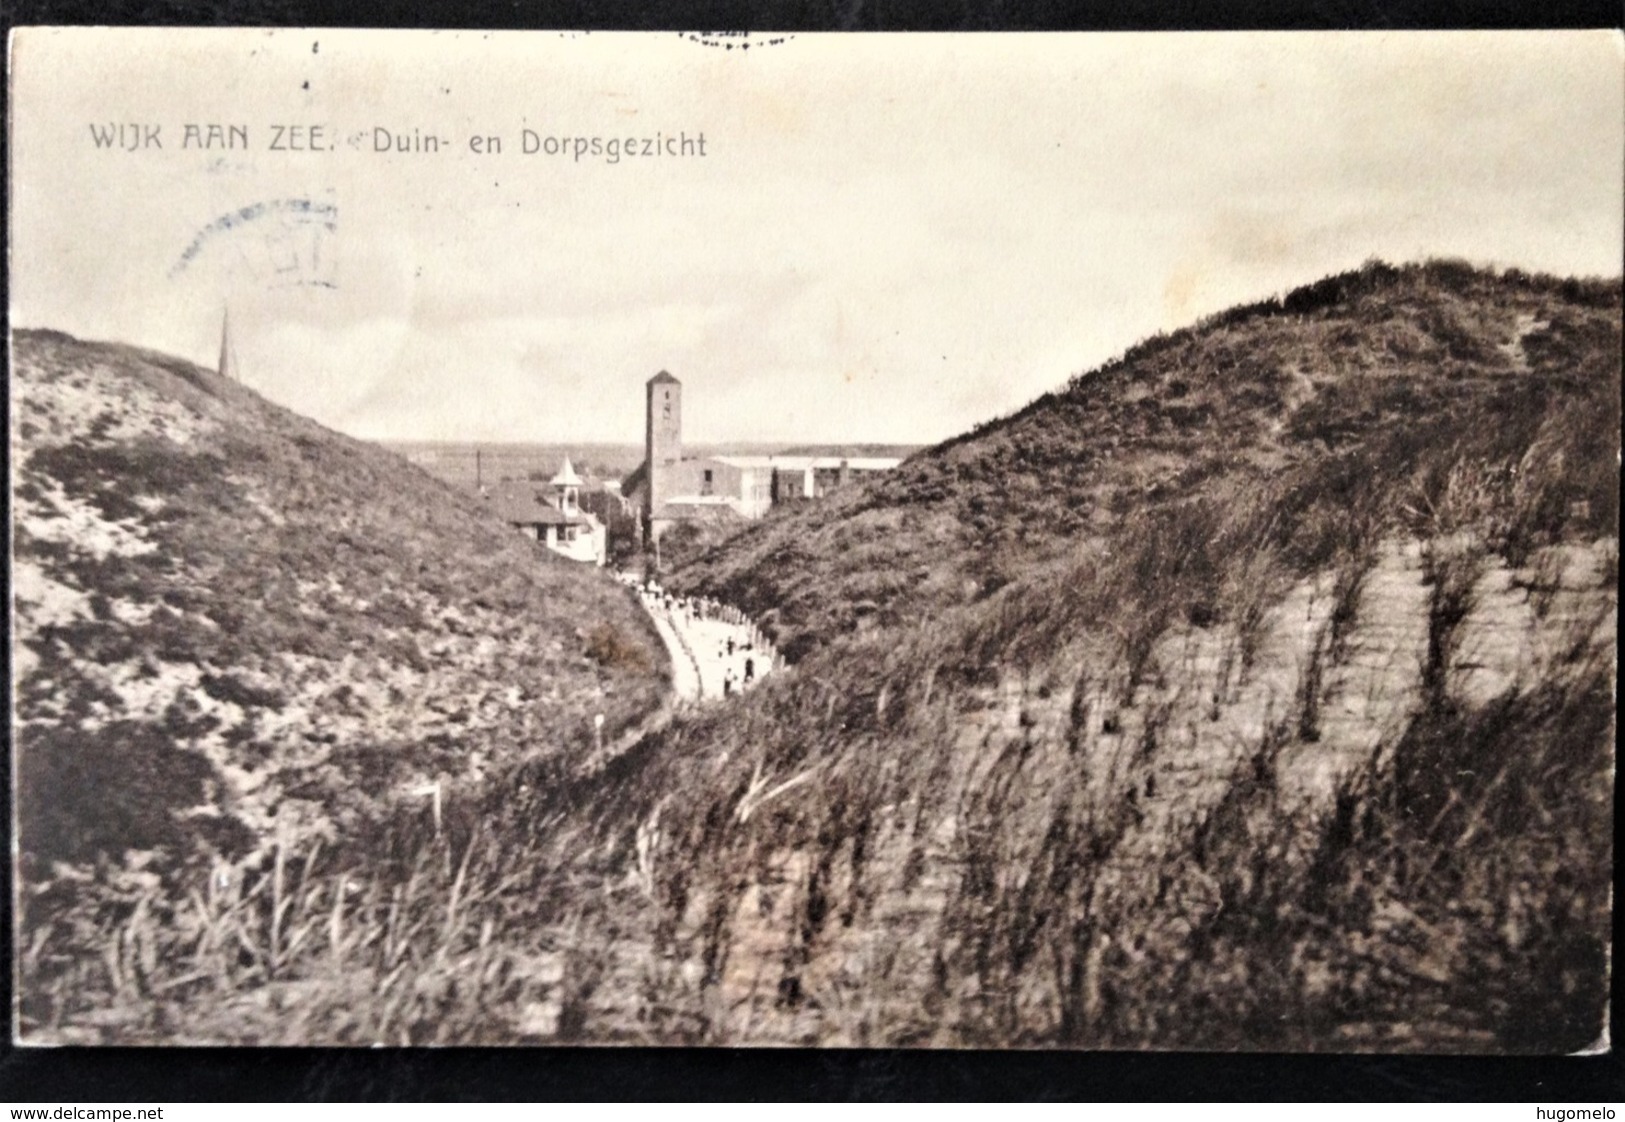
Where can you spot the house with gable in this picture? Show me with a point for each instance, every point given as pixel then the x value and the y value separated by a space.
pixel 553 515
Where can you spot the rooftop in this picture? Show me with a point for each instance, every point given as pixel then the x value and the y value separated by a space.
pixel 802 463
pixel 567 476
pixel 520 504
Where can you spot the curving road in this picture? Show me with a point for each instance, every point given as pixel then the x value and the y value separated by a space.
pixel 700 658
pixel 685 674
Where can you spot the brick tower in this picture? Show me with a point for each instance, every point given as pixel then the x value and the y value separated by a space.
pixel 663 442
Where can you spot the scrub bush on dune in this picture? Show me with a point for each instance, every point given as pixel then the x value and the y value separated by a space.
pixel 1252 691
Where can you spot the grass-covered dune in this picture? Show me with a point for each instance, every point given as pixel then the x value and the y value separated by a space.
pixel 235 630
pixel 1339 390
pixel 1253 691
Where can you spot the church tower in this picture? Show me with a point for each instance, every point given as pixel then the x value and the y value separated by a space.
pixel 663 441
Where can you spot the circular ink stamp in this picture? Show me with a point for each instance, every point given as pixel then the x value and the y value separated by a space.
pixel 283 243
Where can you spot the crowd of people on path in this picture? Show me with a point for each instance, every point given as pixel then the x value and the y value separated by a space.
pixel 740 660
pixel 744 653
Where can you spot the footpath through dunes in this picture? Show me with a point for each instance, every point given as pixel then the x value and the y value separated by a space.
pixel 716 650
pixel 1302 740
pixel 1308 747
pixel 237 631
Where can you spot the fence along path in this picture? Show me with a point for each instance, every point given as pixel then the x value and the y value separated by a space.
pixel 712 646
pixel 724 649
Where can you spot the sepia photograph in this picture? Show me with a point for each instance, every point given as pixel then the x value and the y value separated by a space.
pixel 938 541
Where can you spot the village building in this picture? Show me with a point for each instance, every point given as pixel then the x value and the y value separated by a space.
pixel 669 487
pixel 554 516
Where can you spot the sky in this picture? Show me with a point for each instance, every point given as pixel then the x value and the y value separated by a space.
pixel 888 239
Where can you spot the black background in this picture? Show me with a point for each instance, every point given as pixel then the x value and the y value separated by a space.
pixel 67 1075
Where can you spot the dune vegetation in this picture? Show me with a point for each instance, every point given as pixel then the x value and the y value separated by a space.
pixel 1254 691
pixel 236 632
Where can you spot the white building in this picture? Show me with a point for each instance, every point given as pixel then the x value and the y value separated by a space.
pixel 670 487
pixel 556 519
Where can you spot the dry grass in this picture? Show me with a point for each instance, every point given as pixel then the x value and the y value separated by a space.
pixel 237 627
pixel 1181 765
pixel 1358 373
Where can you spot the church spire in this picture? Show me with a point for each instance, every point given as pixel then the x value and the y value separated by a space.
pixel 228 356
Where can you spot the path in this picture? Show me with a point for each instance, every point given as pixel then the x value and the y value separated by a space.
pixel 706 648
pixel 700 665
pixel 709 639
pixel 685 672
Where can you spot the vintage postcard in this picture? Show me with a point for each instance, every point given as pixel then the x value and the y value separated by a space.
pixel 1041 541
